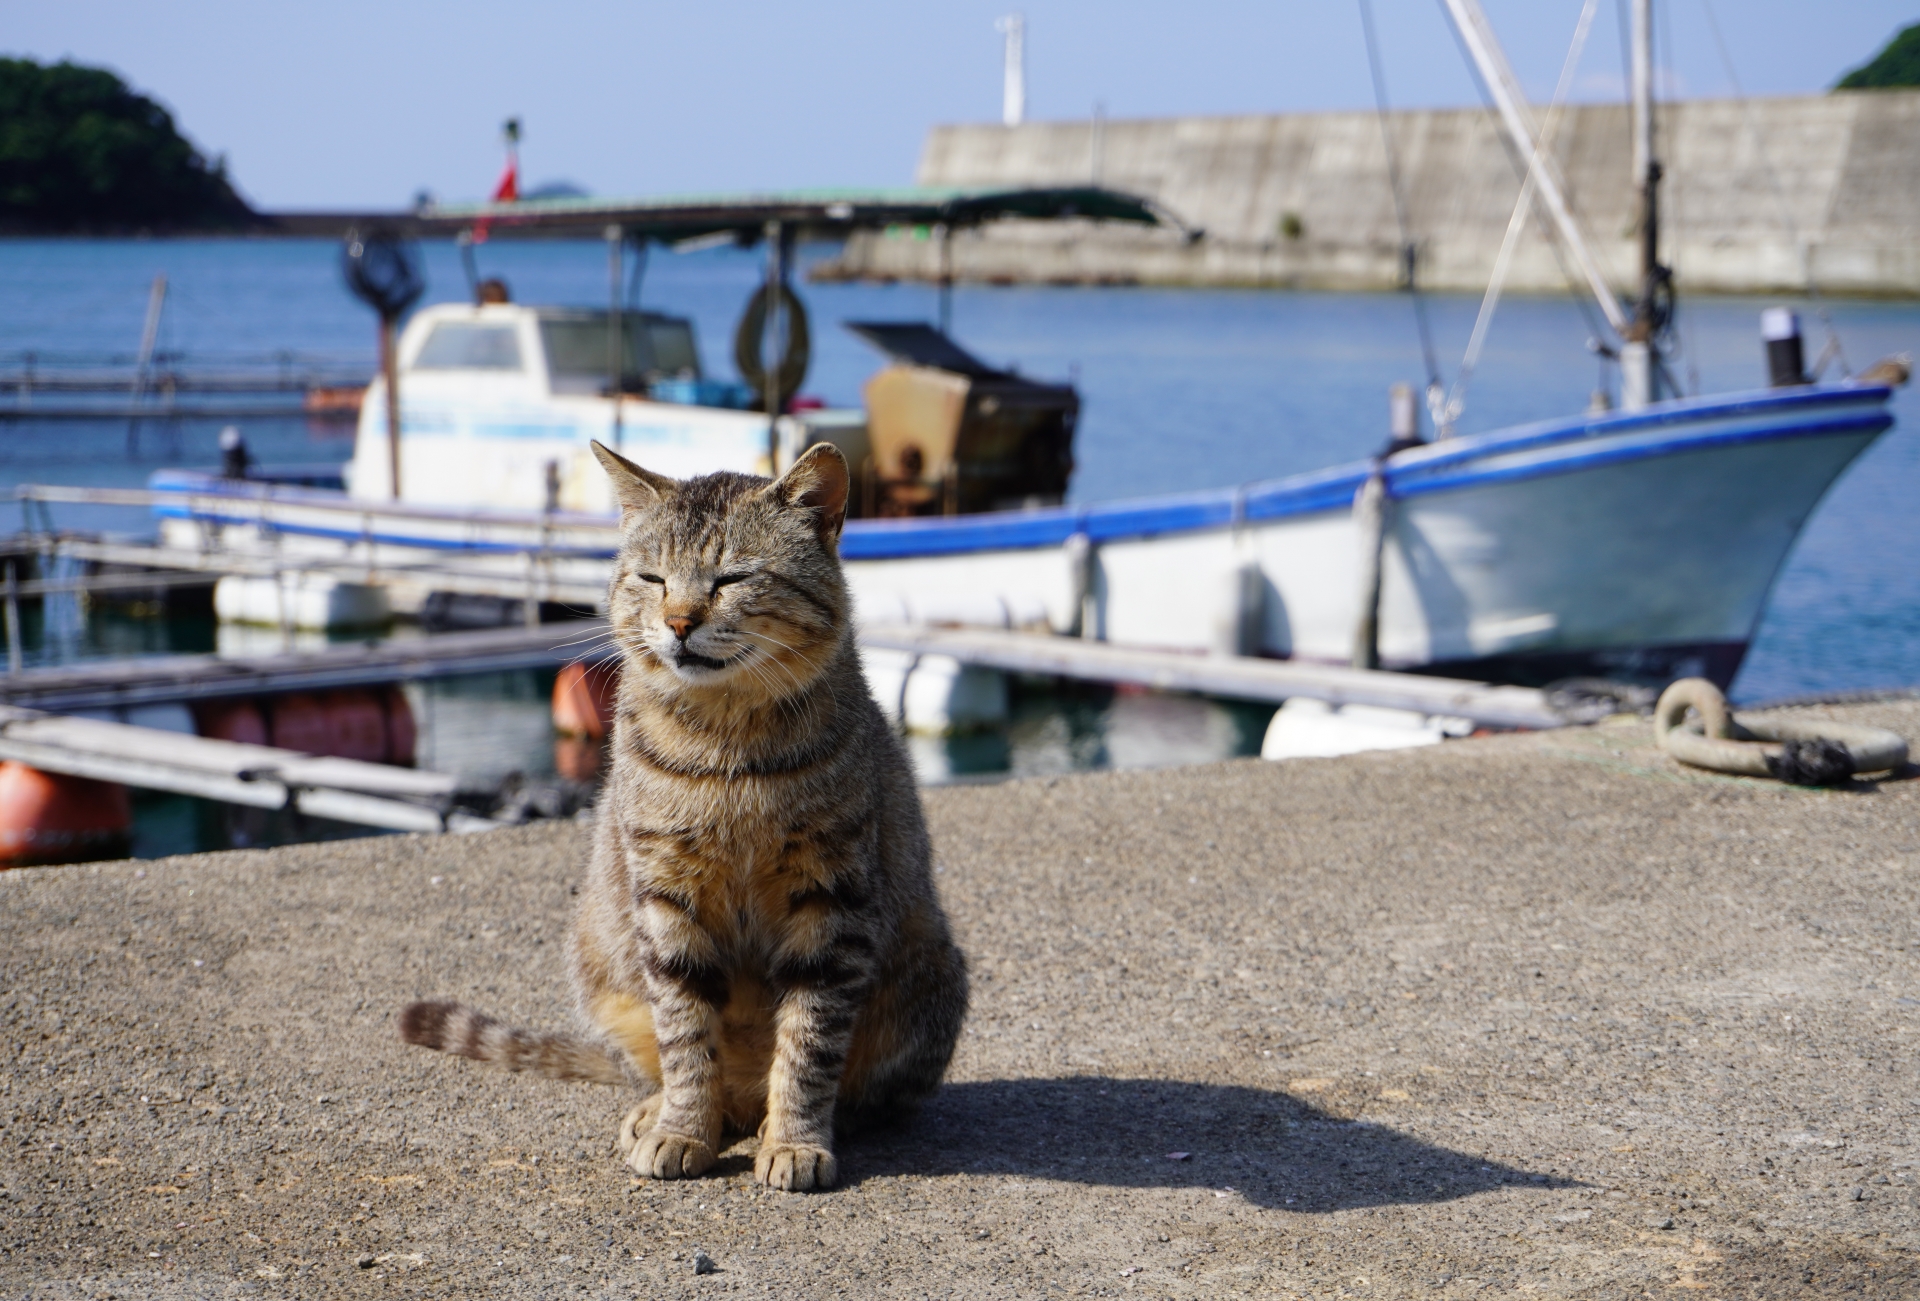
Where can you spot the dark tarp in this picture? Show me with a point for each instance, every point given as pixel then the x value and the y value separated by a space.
pixel 811 214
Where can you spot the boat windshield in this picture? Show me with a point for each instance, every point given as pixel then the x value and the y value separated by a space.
pixel 461 346
pixel 652 346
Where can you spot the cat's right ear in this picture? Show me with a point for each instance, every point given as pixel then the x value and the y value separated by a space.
pixel 635 488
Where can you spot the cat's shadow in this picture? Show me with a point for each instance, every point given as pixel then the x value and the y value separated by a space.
pixel 1269 1148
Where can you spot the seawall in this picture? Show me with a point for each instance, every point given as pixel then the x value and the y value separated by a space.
pixel 1757 195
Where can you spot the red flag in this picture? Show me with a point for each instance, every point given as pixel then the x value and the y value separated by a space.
pixel 507 191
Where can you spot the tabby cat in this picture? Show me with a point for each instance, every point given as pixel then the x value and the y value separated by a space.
pixel 758 940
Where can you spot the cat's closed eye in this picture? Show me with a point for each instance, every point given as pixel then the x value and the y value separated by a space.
pixel 651 578
pixel 725 579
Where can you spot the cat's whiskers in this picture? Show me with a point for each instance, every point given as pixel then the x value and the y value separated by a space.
pixel 798 684
pixel 600 634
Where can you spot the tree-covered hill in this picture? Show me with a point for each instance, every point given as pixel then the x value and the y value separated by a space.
pixel 80 152
pixel 1897 65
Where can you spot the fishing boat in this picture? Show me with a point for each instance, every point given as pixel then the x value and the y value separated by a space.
pixel 1637 540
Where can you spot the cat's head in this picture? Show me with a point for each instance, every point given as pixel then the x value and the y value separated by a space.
pixel 730 581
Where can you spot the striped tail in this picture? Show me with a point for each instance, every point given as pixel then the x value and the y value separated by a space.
pixel 458 1029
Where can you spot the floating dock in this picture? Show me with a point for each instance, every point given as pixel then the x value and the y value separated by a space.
pixel 179 679
pixel 258 776
pixel 170 679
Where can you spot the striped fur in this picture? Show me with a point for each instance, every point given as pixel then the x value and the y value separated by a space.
pixel 758 933
pixel 453 1028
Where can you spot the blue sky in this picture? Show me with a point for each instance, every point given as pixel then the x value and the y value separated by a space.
pixel 357 103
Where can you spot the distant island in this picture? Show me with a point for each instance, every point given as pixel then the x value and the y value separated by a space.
pixel 83 153
pixel 1897 65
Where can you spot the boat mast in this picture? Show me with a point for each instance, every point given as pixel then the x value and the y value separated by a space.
pixel 1639 372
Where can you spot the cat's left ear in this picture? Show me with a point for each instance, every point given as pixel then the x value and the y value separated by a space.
pixel 817 482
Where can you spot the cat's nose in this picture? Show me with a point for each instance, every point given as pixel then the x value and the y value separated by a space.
pixel 682 625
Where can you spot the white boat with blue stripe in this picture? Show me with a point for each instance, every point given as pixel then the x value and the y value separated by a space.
pixel 1627 544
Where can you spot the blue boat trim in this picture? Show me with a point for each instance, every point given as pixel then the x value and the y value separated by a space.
pixel 1875 423
pixel 1419 472
pixel 1683 411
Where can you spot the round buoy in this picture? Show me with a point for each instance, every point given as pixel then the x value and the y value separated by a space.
pixel 358 725
pixel 52 818
pixel 403 736
pixel 231 720
pixel 300 722
pixel 583 696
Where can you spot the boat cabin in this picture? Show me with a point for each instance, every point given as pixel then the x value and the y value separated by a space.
pixel 499 402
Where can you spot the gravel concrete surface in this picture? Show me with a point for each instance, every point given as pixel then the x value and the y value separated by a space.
pixel 1533 1014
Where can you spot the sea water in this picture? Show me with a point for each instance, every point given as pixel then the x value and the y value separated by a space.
pixel 1181 389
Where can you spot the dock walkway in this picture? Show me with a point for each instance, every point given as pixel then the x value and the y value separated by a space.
pixel 1539 1014
pixel 108 684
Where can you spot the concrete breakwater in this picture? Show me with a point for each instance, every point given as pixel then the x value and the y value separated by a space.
pixel 1758 196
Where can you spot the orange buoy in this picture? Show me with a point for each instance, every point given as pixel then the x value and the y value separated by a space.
pixel 357 723
pixel 231 720
pixel 53 818
pixel 403 737
pixel 583 696
pixel 577 758
pixel 299 722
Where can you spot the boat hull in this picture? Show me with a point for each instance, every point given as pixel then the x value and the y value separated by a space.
pixel 1641 546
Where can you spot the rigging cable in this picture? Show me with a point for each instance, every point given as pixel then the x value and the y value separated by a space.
pixel 1476 344
pixel 1597 329
pixel 1408 252
pixel 1833 347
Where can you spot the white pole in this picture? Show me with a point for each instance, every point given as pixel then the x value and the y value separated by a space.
pixel 1504 87
pixel 1642 91
pixel 1098 145
pixel 1013 96
pixel 149 336
pixel 1639 379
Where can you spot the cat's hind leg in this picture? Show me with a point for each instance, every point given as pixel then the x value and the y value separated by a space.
pixel 904 1041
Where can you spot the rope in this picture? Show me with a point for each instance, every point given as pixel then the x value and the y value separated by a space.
pixel 1476 343
pixel 1799 752
pixel 1833 347
pixel 789 369
pixel 1408 251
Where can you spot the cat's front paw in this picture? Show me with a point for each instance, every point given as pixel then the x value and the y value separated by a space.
pixel 661 1155
pixel 795 1167
pixel 637 1123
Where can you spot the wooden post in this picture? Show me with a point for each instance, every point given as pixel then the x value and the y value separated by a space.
pixel 13 620
pixel 1370 508
pixel 770 385
pixel 390 370
pixel 616 327
pixel 945 232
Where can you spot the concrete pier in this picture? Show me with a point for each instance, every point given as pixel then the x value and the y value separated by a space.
pixel 1303 200
pixel 1540 1014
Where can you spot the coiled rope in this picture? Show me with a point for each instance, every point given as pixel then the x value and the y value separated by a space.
pixel 1801 752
